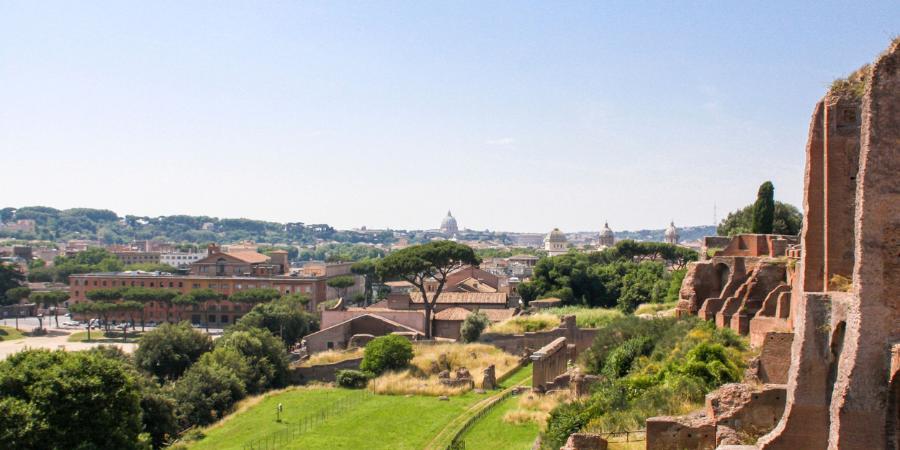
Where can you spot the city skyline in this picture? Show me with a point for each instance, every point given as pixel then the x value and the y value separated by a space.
pixel 388 115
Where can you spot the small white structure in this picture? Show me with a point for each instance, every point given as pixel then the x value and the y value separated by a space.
pixel 672 236
pixel 181 259
pixel 448 225
pixel 555 243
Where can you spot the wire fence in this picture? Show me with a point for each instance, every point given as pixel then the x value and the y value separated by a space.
pixel 622 437
pixel 299 427
pixel 456 443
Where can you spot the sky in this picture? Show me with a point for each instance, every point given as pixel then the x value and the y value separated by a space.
pixel 517 116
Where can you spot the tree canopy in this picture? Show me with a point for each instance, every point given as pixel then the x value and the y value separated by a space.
pixel 418 263
pixel 788 221
pixel 168 350
pixel 764 210
pixel 60 400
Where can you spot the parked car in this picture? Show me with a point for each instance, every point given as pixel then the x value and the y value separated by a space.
pixel 151 324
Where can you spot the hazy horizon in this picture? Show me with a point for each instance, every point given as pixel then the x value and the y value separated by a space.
pixel 516 116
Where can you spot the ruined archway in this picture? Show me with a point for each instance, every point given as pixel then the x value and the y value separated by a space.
pixel 723 274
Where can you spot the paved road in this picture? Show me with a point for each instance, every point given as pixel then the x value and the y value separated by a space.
pixel 57 338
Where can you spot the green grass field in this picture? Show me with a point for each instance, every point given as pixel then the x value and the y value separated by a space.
pixel 10 334
pixel 102 336
pixel 492 433
pixel 376 423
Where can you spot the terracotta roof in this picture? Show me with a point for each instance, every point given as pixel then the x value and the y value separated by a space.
pixel 248 257
pixel 472 285
pixel 374 316
pixel 497 315
pixel 455 313
pixel 462 297
pixel 523 256
pixel 403 284
pixel 381 304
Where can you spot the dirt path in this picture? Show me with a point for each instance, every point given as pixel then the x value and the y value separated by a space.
pixel 446 434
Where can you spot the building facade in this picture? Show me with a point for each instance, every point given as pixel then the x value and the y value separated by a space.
pixel 556 244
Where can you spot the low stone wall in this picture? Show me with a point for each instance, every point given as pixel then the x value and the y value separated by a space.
pixel 673 433
pixel 322 372
pixel 527 343
pixel 585 441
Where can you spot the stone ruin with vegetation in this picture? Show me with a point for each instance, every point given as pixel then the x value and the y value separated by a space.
pixel 840 304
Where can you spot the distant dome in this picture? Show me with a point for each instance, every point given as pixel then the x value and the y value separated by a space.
pixel 671 236
pixel 606 231
pixel 607 238
pixel 448 225
pixel 556 236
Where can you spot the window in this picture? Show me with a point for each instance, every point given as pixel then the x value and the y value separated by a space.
pixel 204 269
pixel 170 284
pixel 151 314
pixel 180 284
pixel 224 319
pixel 211 318
pixel 132 283
pixel 307 289
pixel 95 282
pixel 251 286
pixel 104 282
pixel 212 285
pixel 263 286
pixel 236 318
pixel 196 285
pixel 142 283
pixel 76 293
pixel 114 284
pixel 237 307
pixel 220 266
pixel 238 286
pixel 238 270
pixel 331 346
pixel 224 286
pixel 151 284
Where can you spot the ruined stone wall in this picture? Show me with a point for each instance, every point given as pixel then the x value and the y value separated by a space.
pixel 527 343
pixel 323 372
pixel 549 362
pixel 842 390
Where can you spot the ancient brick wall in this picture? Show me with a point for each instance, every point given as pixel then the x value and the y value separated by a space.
pixel 322 372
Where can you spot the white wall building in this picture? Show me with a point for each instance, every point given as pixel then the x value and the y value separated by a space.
pixel 181 259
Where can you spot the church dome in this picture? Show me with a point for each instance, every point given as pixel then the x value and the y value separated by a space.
pixel 448 225
pixel 671 231
pixel 556 236
pixel 606 231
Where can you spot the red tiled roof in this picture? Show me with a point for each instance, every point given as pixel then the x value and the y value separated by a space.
pixel 462 297
pixel 249 257
pixel 523 256
pixel 457 313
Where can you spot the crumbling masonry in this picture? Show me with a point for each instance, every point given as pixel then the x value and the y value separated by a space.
pixel 842 292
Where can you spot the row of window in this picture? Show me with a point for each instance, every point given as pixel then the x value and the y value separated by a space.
pixel 103 283
pixel 283 288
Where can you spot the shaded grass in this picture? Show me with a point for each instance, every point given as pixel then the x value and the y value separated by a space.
pixel 103 336
pixel 587 317
pixel 492 432
pixel 652 308
pixel 11 334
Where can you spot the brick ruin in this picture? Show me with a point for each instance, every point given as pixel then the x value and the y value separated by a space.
pixel 745 286
pixel 841 294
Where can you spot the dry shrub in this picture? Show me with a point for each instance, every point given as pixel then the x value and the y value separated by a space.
pixel 842 283
pixel 419 380
pixel 332 356
pixel 535 407
pixel 522 324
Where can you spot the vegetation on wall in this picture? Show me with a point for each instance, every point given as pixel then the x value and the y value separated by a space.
pixel 648 368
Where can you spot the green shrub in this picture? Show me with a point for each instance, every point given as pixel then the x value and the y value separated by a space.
pixel 391 352
pixel 351 379
pixel 618 363
pixel 473 326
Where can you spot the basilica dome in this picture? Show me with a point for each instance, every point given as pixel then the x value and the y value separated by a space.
pixel 556 236
pixel 607 237
pixel 671 236
pixel 448 225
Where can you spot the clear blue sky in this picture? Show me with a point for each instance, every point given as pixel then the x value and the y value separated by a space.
pixel 517 116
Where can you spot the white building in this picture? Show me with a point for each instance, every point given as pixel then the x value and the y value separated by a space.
pixel 607 238
pixel 555 243
pixel 181 259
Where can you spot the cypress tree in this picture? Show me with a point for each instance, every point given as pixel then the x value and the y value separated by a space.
pixel 764 210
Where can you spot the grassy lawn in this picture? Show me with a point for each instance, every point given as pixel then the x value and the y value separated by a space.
pixel 102 336
pixel 10 334
pixel 375 423
pixel 492 433
pixel 516 379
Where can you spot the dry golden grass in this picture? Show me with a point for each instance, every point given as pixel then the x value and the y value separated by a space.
pixel 420 381
pixel 332 356
pixel 522 324
pixel 535 407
